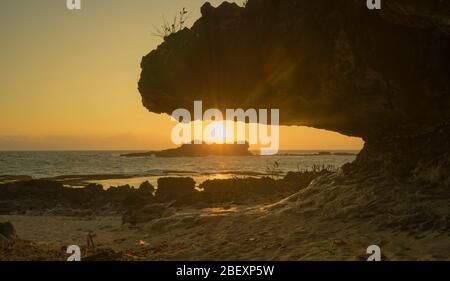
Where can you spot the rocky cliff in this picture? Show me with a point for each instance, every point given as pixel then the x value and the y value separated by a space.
pixel 380 75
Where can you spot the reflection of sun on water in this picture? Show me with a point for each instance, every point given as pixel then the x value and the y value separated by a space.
pixel 221 177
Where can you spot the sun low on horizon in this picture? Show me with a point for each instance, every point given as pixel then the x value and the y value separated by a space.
pixel 219 133
pixel 71 80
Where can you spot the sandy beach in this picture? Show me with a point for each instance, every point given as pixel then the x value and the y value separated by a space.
pixel 304 226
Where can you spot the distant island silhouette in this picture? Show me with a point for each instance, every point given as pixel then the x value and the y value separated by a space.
pixel 198 150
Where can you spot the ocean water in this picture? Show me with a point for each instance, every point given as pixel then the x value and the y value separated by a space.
pixel 133 171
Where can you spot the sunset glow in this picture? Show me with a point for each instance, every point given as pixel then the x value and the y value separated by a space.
pixel 77 89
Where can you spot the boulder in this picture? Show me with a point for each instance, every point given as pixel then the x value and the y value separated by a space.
pixel 146 187
pixel 7 231
pixel 175 189
pixel 237 190
pixel 94 187
pixel 137 200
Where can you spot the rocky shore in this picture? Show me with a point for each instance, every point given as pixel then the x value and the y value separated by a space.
pixel 36 197
pixel 315 215
pixel 27 202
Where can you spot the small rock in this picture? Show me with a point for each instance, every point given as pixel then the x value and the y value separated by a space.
pixel 172 188
pixel 146 187
pixel 94 187
pixel 7 231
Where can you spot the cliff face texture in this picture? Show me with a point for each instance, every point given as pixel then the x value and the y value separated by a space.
pixel 380 75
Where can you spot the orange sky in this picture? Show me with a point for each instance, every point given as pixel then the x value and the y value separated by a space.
pixel 69 78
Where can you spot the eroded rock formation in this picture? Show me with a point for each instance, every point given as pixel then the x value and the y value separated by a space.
pixel 380 75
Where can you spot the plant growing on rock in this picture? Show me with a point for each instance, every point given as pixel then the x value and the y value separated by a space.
pixel 178 23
